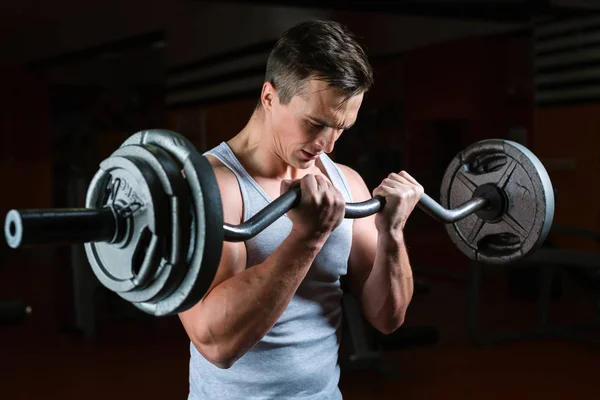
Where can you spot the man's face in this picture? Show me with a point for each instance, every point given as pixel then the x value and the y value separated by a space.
pixel 311 123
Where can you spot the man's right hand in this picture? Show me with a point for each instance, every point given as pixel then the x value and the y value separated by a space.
pixel 321 207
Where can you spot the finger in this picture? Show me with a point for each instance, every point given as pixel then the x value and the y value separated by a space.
pixel 322 182
pixel 397 182
pixel 334 195
pixel 393 177
pixel 287 184
pixel 309 186
pixel 406 175
pixel 417 186
pixel 402 176
pixel 330 187
pixel 403 191
pixel 384 190
pixel 403 183
pixel 327 189
pixel 340 201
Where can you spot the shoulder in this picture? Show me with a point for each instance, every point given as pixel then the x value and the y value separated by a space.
pixel 231 196
pixel 359 189
pixel 222 172
pixel 349 173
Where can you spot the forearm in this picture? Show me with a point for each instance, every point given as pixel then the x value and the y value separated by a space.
pixel 241 310
pixel 388 289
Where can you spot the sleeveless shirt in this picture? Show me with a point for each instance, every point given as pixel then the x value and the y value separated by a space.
pixel 298 357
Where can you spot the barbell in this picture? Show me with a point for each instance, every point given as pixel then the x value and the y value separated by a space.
pixel 155 237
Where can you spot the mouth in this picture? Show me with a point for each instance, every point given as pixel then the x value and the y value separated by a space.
pixel 309 156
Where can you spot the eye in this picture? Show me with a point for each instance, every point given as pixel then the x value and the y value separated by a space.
pixel 314 127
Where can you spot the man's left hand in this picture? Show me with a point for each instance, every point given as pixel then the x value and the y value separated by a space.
pixel 402 193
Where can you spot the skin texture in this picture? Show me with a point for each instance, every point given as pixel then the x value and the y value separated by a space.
pixel 279 147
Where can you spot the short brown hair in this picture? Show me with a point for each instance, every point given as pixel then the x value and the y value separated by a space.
pixel 323 50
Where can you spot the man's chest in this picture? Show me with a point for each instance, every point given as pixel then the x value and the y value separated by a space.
pixel 272 187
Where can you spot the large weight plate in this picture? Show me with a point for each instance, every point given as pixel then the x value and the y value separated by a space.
pixel 131 186
pixel 171 270
pixel 206 240
pixel 524 222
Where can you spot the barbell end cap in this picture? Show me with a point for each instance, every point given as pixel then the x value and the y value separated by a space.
pixel 13 229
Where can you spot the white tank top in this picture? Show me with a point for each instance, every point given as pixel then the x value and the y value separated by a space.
pixel 297 358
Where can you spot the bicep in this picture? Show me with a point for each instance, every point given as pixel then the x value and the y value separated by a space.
pixel 233 254
pixel 362 254
pixel 233 261
pixel 364 236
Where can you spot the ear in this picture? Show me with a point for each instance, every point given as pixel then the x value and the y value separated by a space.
pixel 268 96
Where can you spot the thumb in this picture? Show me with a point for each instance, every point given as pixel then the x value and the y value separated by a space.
pixel 380 191
pixel 286 185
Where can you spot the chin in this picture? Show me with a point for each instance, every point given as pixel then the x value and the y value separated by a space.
pixel 304 164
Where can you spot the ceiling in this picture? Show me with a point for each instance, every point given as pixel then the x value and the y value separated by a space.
pixel 35 30
pixel 492 10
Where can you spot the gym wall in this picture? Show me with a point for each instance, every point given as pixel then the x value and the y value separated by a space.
pixel 440 84
pixel 567 139
pixel 567 116
pixel 26 167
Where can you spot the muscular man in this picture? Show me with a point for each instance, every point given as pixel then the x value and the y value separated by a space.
pixel 269 327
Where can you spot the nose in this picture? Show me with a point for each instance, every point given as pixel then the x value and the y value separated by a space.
pixel 327 140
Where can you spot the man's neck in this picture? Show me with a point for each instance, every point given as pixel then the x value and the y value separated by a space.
pixel 256 149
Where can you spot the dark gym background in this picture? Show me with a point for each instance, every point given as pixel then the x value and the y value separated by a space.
pixel 77 78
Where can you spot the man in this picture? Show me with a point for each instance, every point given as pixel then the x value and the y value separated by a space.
pixel 269 327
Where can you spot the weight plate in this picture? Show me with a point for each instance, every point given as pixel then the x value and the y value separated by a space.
pixel 130 186
pixel 206 240
pixel 525 217
pixel 171 271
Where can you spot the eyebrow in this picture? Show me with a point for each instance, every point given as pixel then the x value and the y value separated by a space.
pixel 329 124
